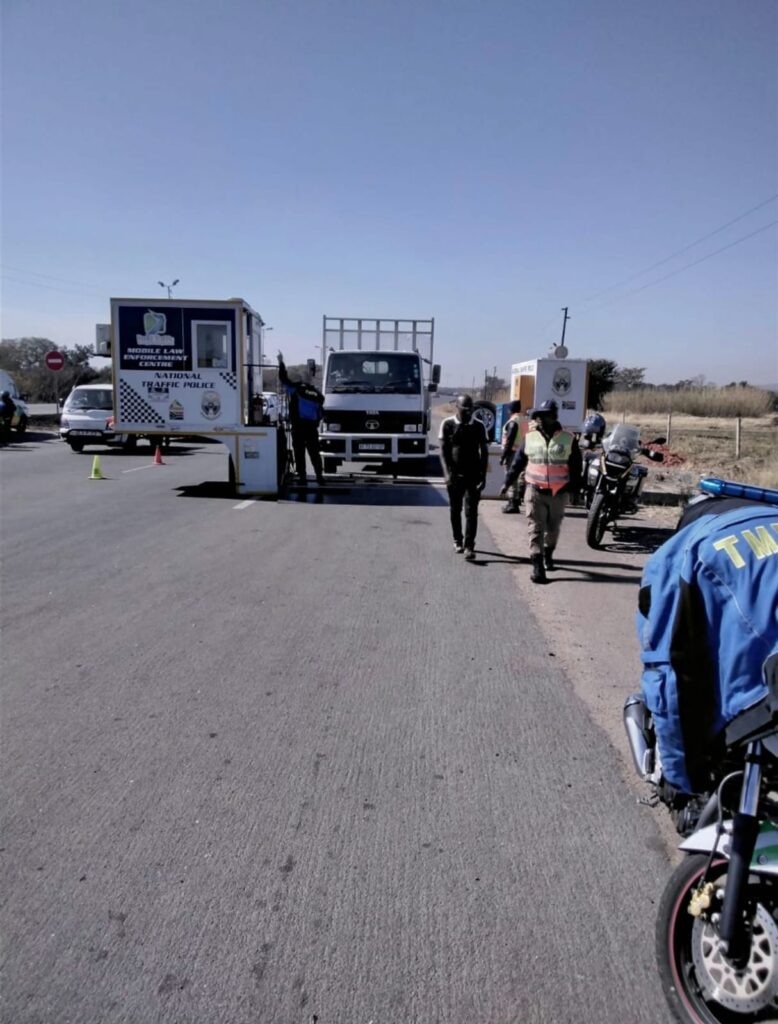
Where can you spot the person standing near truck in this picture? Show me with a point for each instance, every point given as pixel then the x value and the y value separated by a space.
pixel 306 404
pixel 464 455
pixel 548 455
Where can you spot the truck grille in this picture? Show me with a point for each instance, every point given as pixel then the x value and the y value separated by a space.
pixel 352 422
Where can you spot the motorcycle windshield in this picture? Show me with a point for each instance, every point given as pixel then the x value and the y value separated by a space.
pixel 623 436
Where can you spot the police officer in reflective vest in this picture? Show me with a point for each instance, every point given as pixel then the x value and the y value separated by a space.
pixel 548 457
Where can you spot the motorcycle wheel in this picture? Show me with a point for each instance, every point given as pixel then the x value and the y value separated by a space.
pixel 692 967
pixel 596 521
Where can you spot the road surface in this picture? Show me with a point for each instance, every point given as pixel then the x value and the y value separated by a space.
pixel 297 761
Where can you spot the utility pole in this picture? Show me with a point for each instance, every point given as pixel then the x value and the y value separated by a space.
pixel 564 323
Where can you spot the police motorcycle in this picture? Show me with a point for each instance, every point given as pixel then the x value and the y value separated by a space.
pixel 613 480
pixel 717 924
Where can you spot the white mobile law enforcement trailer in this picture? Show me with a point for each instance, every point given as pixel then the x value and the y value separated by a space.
pixel 186 367
pixel 565 381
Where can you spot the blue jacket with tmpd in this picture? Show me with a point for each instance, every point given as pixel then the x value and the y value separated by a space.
pixel 707 621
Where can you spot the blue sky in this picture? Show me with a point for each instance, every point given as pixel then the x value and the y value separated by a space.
pixel 482 163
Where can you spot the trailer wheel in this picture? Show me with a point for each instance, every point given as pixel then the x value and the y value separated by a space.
pixel 486 413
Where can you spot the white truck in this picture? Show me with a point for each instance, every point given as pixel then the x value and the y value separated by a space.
pixel 378 378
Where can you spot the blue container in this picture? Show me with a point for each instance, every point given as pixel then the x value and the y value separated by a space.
pixel 501 417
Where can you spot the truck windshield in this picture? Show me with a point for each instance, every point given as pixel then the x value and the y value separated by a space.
pixel 371 372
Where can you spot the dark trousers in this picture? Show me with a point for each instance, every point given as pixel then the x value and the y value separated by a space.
pixel 462 491
pixel 305 437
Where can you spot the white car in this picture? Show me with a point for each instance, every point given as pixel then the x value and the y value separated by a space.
pixel 87 418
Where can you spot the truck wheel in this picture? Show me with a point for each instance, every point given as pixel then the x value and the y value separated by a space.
pixel 21 426
pixel 76 446
pixel 329 464
pixel 486 413
pixel 130 444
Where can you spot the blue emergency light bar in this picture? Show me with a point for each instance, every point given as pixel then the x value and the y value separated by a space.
pixel 731 489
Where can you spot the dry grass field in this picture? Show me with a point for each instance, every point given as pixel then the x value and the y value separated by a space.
pixel 707 447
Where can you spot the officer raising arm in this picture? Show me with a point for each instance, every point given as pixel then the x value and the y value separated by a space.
pixel 306 403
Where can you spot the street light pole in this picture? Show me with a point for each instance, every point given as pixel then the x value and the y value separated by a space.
pixel 169 287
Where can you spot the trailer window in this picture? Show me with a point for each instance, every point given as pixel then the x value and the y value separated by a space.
pixel 212 344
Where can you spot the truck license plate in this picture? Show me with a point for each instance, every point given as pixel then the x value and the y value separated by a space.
pixel 371 447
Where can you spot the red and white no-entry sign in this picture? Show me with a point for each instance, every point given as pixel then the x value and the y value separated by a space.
pixel 54 360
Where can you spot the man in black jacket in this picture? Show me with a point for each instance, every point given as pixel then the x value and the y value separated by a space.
pixel 464 455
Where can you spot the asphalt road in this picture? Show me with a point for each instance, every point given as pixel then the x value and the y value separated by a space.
pixel 297 761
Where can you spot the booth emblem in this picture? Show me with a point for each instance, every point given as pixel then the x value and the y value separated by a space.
pixel 211 405
pixel 155 325
pixel 562 381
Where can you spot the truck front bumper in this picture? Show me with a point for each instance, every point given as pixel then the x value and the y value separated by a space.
pixel 373 447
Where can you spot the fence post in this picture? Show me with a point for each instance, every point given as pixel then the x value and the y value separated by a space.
pixel 668 432
pixel 737 436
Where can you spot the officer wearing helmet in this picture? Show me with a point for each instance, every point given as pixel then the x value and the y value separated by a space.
pixel 550 460
pixel 464 455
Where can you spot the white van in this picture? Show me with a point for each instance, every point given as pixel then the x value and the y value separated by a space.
pixel 87 418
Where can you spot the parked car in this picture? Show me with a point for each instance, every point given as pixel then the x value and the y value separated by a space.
pixel 87 418
pixel 21 417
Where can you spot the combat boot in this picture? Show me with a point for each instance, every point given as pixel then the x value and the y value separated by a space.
pixel 510 507
pixel 538 570
pixel 548 558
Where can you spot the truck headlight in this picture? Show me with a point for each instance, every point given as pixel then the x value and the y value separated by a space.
pixel 334 427
pixel 412 428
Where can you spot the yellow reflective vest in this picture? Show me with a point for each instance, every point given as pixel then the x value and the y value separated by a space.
pixel 548 462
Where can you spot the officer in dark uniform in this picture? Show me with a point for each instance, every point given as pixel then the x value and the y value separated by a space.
pixel 306 404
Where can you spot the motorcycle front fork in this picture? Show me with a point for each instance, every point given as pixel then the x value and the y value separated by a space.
pixel 733 930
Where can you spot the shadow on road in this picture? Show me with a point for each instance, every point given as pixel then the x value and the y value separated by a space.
pixel 638 540
pixel 385 492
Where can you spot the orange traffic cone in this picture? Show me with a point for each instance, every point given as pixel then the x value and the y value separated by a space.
pixel 158 457
pixel 97 473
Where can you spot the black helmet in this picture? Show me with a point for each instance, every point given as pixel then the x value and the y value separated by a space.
pixel 514 407
pixel 464 402
pixel 548 406
pixel 5 394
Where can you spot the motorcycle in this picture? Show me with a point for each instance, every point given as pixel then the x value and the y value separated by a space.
pixel 613 480
pixel 717 924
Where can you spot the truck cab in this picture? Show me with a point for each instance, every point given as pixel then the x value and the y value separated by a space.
pixel 377 399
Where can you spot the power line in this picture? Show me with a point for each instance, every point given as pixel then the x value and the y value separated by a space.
pixel 8 272
pixel 679 270
pixel 686 248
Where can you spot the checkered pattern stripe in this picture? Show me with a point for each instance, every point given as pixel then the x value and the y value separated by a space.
pixel 134 409
pixel 230 379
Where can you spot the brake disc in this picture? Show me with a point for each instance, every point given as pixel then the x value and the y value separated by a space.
pixel 743 991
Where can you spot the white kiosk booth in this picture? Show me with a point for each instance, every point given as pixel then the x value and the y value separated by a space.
pixel 195 367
